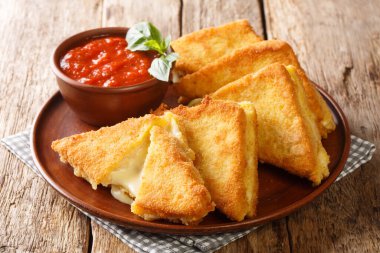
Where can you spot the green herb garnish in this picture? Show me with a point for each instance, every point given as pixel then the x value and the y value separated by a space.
pixel 143 37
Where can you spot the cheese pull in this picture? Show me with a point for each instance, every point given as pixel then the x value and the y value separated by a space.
pixel 123 158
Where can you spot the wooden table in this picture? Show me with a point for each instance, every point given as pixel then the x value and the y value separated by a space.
pixel 338 44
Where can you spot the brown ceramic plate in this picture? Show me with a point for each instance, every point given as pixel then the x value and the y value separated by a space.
pixel 280 193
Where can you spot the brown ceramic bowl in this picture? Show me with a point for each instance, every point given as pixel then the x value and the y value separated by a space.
pixel 101 106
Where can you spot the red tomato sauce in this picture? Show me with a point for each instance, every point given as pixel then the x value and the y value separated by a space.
pixel 107 62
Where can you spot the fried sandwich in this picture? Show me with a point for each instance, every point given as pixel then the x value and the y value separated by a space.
pixel 288 136
pixel 171 187
pixel 202 47
pixel 117 157
pixel 223 136
pixel 249 60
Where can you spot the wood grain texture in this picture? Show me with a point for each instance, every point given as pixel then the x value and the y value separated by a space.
pixel 338 44
pixel 104 241
pixel 271 237
pixel 165 14
pixel 198 14
pixel 33 217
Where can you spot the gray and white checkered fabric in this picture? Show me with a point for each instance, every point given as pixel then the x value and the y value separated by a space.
pixel 361 152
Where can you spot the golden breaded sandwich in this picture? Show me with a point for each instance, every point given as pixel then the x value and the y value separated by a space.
pixel 223 136
pixel 288 136
pixel 171 187
pixel 199 48
pixel 115 156
pixel 250 60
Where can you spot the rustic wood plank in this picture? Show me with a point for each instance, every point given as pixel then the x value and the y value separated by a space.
pixel 104 241
pixel 338 44
pixel 165 14
pixel 34 218
pixel 271 237
pixel 343 35
pixel 198 14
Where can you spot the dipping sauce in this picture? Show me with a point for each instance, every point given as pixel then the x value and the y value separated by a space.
pixel 107 62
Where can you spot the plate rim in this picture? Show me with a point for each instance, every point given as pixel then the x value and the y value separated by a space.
pixel 156 227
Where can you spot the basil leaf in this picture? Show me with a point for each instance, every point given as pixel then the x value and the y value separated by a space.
pixel 172 57
pixel 160 69
pixel 155 34
pixel 138 47
pixel 153 45
pixel 137 35
pixel 167 42
pixel 145 36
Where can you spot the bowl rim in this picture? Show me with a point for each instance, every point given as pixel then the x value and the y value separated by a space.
pixel 88 35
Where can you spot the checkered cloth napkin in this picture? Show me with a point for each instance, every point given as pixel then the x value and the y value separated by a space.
pixel 361 152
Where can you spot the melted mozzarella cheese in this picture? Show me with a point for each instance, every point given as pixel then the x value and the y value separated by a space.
pixel 119 194
pixel 125 180
pixel 172 127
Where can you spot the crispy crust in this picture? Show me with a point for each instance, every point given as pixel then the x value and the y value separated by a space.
pixel 251 178
pixel 233 66
pixel 171 187
pixel 250 60
pixel 94 154
pixel 160 110
pixel 288 136
pixel 199 48
pixel 216 132
pixel 324 117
